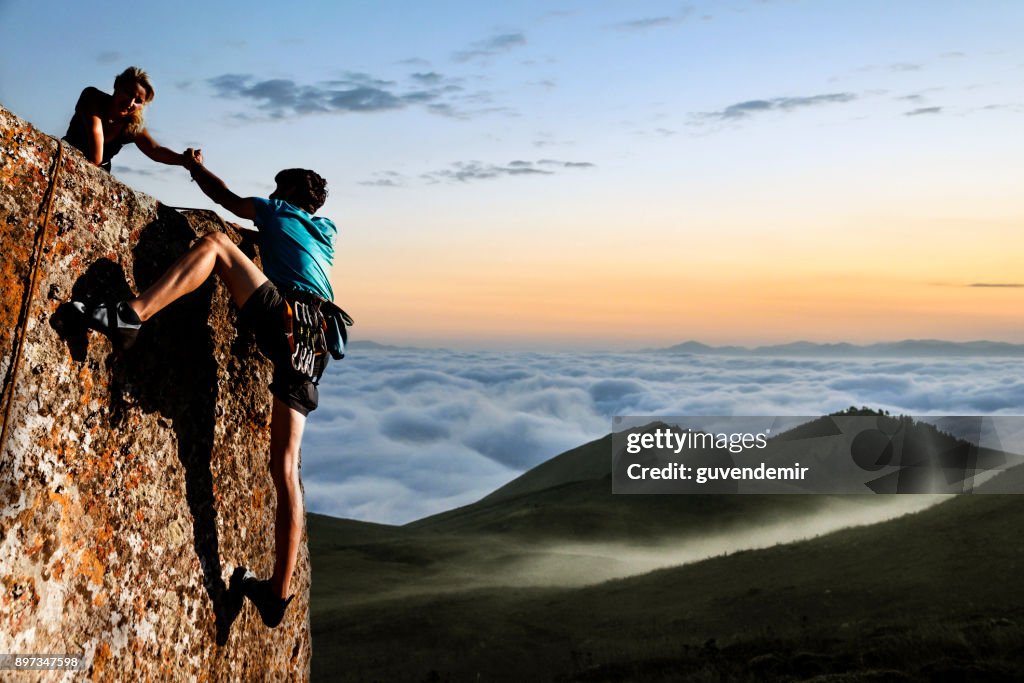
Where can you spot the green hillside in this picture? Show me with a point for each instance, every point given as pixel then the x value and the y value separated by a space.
pixel 569 496
pixel 927 595
pixel 587 510
pixel 514 587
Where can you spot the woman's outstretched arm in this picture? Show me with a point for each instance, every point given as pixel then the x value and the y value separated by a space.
pixel 148 146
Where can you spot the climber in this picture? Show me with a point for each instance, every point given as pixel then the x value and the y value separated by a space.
pixel 297 249
pixel 103 123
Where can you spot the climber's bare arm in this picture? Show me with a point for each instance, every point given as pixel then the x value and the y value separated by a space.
pixel 215 189
pixel 90 112
pixel 157 152
pixel 96 133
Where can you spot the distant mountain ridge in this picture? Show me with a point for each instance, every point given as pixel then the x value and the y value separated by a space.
pixel 907 347
pixel 367 345
pixel 899 349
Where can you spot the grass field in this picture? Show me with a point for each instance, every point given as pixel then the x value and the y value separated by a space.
pixel 516 588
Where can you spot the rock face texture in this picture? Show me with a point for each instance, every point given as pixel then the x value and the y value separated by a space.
pixel 133 483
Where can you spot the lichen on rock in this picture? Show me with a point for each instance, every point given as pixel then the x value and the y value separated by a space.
pixel 132 483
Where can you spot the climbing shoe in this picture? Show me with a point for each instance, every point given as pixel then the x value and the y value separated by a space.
pixel 270 607
pixel 117 321
pixel 229 606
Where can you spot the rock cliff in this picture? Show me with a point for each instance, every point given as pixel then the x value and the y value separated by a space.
pixel 131 483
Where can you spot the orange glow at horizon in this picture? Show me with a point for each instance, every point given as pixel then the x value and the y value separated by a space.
pixel 847 279
pixel 609 308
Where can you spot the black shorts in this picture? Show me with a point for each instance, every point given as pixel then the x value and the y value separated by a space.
pixel 263 313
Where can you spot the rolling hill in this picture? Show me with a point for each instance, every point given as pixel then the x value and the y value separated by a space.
pixel 514 587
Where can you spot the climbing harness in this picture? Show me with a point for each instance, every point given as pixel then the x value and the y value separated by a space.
pixel 39 249
pixel 304 327
pixel 314 327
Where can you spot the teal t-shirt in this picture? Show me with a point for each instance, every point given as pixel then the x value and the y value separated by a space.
pixel 297 249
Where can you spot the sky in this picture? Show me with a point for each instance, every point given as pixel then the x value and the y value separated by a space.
pixel 594 175
pixel 402 434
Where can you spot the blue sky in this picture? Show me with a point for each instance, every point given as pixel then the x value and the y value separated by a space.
pixel 595 174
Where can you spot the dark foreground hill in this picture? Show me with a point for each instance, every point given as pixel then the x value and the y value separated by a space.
pixel 509 589
pixel 569 496
pixel 931 596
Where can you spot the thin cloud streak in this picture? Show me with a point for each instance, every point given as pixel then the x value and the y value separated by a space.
pixel 646 23
pixel 743 110
pixel 491 47
pixel 465 171
pixel 1011 285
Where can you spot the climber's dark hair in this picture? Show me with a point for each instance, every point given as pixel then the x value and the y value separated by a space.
pixel 308 188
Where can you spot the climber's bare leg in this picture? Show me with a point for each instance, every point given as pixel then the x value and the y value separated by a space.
pixel 213 253
pixel 286 425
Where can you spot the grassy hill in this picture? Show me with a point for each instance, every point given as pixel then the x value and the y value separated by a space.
pixel 487 592
pixel 569 496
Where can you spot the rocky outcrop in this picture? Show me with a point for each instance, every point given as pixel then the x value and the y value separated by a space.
pixel 132 483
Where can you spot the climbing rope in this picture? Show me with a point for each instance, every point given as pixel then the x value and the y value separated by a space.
pixel 38 250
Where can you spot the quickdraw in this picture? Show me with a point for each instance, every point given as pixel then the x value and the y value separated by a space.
pixel 305 329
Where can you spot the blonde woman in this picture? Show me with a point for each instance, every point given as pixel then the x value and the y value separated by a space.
pixel 103 123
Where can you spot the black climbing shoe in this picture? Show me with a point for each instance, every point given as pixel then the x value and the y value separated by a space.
pixel 229 606
pixel 117 321
pixel 270 607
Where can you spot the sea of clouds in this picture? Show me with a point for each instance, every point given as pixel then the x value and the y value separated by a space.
pixel 402 434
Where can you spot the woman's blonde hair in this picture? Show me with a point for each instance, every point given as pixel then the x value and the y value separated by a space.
pixel 131 76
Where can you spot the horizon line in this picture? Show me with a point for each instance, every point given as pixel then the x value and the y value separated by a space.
pixel 499 345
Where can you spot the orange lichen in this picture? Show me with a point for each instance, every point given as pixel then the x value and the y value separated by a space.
pixel 28 514
pixel 37 545
pixel 99 661
pixel 91 567
pixel 19 594
pixel 134 478
pixel 106 463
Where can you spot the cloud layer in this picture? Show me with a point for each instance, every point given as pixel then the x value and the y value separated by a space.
pixel 404 434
